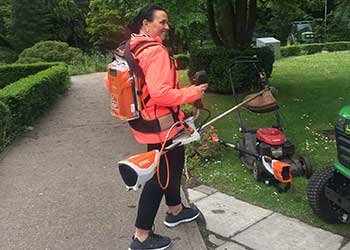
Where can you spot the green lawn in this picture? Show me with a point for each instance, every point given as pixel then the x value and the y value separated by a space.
pixel 311 91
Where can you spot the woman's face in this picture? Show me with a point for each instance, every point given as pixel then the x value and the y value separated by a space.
pixel 159 26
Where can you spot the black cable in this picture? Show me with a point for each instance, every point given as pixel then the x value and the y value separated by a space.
pixel 205 120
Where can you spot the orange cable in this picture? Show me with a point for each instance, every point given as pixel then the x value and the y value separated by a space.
pixel 167 169
pixel 158 163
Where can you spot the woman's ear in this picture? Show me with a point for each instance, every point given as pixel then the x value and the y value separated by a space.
pixel 145 24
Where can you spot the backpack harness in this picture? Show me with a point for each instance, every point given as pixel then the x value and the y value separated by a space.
pixel 127 81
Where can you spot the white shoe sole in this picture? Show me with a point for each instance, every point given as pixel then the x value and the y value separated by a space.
pixel 181 221
pixel 162 248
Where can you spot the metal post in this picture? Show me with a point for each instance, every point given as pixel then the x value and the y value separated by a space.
pixel 325 20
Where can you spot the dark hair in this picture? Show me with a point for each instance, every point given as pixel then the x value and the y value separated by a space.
pixel 145 13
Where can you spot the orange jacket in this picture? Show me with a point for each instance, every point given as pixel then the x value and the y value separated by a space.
pixel 160 75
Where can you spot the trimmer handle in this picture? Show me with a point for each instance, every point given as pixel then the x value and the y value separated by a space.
pixel 198 78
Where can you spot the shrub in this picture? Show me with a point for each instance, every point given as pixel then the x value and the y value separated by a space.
pixel 290 51
pixel 6 125
pixel 200 152
pixel 24 100
pixel 267 57
pixel 89 63
pixel 337 46
pixel 50 51
pixel 7 55
pixel 182 61
pixel 246 75
pixel 12 72
pixel 306 49
pixel 217 61
pixel 187 109
pixel 28 97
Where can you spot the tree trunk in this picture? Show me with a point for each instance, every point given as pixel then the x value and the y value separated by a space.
pixel 236 22
pixel 227 24
pixel 251 22
pixel 212 24
pixel 180 46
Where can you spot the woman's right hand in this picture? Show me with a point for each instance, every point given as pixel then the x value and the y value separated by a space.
pixel 201 89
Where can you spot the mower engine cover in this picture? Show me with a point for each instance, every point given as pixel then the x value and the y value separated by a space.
pixel 138 169
pixel 271 136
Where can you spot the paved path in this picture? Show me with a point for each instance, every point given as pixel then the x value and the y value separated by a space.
pixel 237 225
pixel 59 185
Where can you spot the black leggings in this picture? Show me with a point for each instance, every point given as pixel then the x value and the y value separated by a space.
pixel 152 194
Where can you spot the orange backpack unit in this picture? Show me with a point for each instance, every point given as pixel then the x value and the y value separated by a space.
pixel 123 88
pixel 126 81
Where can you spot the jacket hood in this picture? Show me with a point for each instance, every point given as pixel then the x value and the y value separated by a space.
pixel 137 39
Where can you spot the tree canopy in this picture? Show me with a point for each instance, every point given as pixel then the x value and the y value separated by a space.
pixel 101 24
pixel 38 20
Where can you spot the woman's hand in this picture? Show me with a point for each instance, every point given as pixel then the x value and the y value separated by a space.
pixel 201 88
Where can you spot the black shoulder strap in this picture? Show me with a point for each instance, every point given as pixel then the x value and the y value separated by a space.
pixel 130 58
pixel 135 67
pixel 132 62
pixel 142 44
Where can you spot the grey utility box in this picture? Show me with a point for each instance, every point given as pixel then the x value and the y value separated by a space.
pixel 271 42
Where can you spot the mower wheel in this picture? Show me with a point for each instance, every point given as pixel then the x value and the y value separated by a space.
pixel 258 170
pixel 306 165
pixel 316 194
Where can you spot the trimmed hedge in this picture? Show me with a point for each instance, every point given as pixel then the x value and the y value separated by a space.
pixel 24 100
pixel 337 46
pixel 6 125
pixel 12 72
pixel 307 49
pixel 217 61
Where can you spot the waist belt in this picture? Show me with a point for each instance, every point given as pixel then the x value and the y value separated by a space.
pixel 156 125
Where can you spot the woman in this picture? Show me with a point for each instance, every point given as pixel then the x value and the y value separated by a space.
pixel 164 97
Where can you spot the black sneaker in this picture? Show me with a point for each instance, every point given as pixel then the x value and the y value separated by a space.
pixel 187 214
pixel 153 242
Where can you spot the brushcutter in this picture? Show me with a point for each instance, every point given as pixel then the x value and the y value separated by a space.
pixel 137 170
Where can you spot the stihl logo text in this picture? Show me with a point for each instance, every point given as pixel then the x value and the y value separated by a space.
pixel 144 162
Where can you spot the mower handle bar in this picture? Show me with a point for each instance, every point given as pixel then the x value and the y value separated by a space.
pixel 242 150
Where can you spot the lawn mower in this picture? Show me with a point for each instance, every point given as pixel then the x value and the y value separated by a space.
pixel 329 188
pixel 266 141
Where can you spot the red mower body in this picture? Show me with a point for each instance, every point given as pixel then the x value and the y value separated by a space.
pixel 271 136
